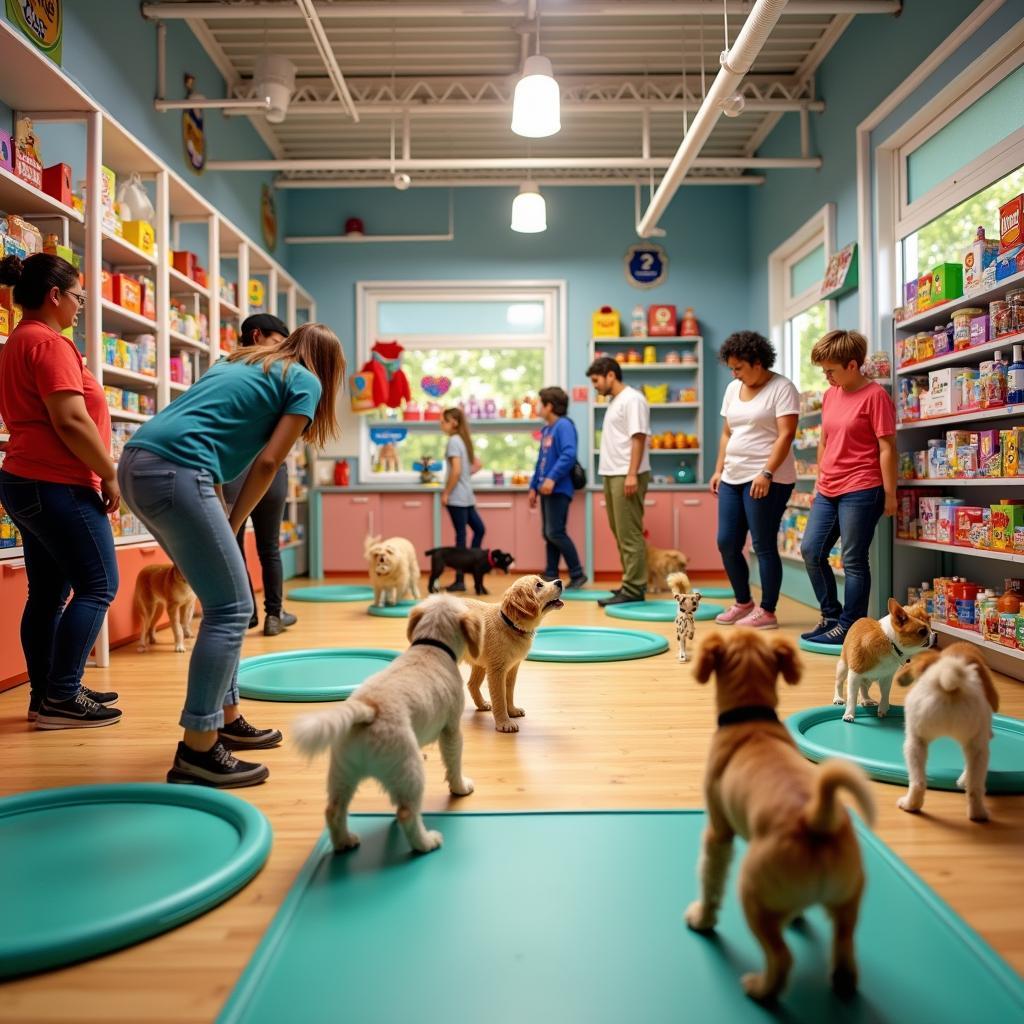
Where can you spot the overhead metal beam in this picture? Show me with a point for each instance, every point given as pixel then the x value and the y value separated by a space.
pixel 511 181
pixel 326 51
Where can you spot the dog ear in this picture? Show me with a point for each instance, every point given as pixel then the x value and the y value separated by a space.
pixel 368 544
pixel 918 611
pixel 470 626
pixel 708 654
pixel 787 658
pixel 414 620
pixel 910 672
pixel 899 616
pixel 991 694
pixel 519 601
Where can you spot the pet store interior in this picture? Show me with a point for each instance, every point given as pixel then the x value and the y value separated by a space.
pixel 618 412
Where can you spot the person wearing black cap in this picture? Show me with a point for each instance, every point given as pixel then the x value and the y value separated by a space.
pixel 269 511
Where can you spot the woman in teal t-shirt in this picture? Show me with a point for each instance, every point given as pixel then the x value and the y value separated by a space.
pixel 249 407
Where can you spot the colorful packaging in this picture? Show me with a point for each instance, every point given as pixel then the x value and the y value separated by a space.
pixel 924 292
pixel 961 609
pixel 1008 263
pixel 978 330
pixel 661 321
pixel 967 462
pixel 969 526
pixel 990 460
pixel 955 440
pixel 938 461
pixel 1007 518
pixel 977 259
pixel 1008 629
pixel 1019 632
pixel 906 513
pixel 928 515
pixel 943 398
pixel 1010 227
pixel 945 520
pixel 990 620
pixel 1008 440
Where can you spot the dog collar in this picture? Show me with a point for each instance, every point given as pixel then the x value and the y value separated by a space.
pixel 899 653
pixel 490 560
pixel 750 713
pixel 428 642
pixel 511 625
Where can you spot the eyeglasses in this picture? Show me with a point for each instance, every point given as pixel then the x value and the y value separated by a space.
pixel 79 297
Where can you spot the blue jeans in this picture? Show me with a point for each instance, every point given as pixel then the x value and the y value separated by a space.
pixel 461 517
pixel 853 518
pixel 68 547
pixel 181 509
pixel 554 511
pixel 740 514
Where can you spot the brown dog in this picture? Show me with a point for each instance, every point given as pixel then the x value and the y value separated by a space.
pixel 158 587
pixel 802 848
pixel 661 563
pixel 506 635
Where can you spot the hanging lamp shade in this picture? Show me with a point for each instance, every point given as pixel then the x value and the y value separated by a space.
pixel 529 212
pixel 536 106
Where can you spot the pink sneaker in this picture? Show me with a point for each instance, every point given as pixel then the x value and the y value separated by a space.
pixel 759 619
pixel 735 613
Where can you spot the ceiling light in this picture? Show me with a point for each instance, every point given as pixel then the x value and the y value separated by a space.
pixel 732 106
pixel 536 110
pixel 275 81
pixel 402 181
pixel 529 213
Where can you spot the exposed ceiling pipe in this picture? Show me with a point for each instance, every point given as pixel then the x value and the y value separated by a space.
pixel 323 44
pixel 538 179
pixel 736 62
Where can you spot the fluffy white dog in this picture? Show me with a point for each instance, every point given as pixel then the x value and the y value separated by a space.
pixel 377 733
pixel 953 696
pixel 394 571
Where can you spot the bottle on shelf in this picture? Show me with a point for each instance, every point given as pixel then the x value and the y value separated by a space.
pixel 638 326
pixel 1015 377
pixel 1009 601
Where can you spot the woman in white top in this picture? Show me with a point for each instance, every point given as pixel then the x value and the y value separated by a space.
pixel 755 473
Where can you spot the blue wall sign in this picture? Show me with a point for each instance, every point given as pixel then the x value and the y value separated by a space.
pixel 388 435
pixel 646 265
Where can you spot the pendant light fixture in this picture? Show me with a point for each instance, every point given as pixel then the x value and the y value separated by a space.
pixel 536 105
pixel 529 211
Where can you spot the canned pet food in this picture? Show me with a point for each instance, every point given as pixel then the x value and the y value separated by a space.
pixel 1000 318
pixel 1015 302
pixel 962 325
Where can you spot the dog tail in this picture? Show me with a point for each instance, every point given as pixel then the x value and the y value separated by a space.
pixel 678 582
pixel 313 733
pixel 432 550
pixel 823 814
pixel 949 674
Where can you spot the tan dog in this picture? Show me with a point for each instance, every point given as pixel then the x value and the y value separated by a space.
pixel 394 570
pixel 954 696
pixel 506 635
pixel 378 732
pixel 661 562
pixel 875 650
pixel 802 849
pixel 158 587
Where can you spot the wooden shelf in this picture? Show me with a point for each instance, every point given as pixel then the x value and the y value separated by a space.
pixel 964 355
pixel 120 319
pixel 116 373
pixel 954 549
pixel 1001 412
pixel 974 637
pixel 940 314
pixel 180 282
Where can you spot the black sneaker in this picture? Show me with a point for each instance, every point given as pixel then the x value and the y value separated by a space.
pixel 216 767
pixel 240 735
pixel 287 619
pixel 833 637
pixel 254 621
pixel 577 583
pixel 34 701
pixel 620 597
pixel 823 626
pixel 272 626
pixel 78 712
pixel 105 697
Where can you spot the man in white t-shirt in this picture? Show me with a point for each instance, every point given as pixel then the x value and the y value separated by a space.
pixel 625 467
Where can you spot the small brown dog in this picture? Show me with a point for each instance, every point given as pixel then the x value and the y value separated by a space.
pixel 158 587
pixel 661 563
pixel 802 849
pixel 506 635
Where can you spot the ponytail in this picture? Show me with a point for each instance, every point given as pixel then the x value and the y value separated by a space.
pixel 34 277
pixel 458 417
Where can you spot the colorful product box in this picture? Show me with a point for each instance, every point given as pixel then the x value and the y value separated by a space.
pixel 945 520
pixel 955 440
pixel 990 457
pixel 662 321
pixel 605 322
pixel 978 258
pixel 186 262
pixel 967 462
pixel 1018 540
pixel 924 292
pixel 1011 231
pixel 979 330
pixel 969 526
pixel 1006 520
pixel 127 292
pixel 57 182
pixel 947 282
pixel 148 287
pixel 1010 441
pixel 944 398
pixel 1009 263
pixel 928 516
pixel 140 234
pixel 6 151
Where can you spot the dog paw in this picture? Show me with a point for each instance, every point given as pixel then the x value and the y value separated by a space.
pixel 756 986
pixel 682 657
pixel 432 841
pixel 516 712
pixel 142 647
pixel 180 648
pixel 882 712
pixel 961 783
pixel 347 842
pixel 844 982
pixel 698 919
pixel 507 725
pixel 977 813
pixel 868 702
pixel 483 707
pixel 906 804
pixel 838 700
pixel 464 788
pixel 848 717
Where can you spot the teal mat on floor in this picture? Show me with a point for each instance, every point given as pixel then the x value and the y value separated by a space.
pixel 715 591
pixel 576 918
pixel 329 673
pixel 334 592
pixel 659 611
pixel 585 595
pixel 834 650
pixel 393 611
pixel 594 643
pixel 89 869
pixel 876 744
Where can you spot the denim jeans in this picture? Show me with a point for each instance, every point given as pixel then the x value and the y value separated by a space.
pixel 554 511
pixel 266 523
pixel 740 514
pixel 68 547
pixel 461 517
pixel 181 509
pixel 852 517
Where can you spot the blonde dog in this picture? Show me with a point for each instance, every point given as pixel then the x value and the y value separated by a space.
pixel 875 650
pixel 687 603
pixel 802 849
pixel 377 733
pixel 506 635
pixel 158 587
pixel 394 570
pixel 661 562
pixel 953 696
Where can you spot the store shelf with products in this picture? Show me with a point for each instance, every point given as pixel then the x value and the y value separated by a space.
pixel 937 315
pixel 631 367
pixel 975 353
pixel 1001 412
pixel 120 319
pixel 181 284
pixel 179 340
pixel 601 406
pixel 18 196
pixel 988 481
pixel 475 424
pixel 668 339
pixel 974 637
pixel 958 550
pixel 115 374
pixel 129 416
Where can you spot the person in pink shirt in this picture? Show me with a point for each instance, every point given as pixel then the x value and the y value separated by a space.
pixel 856 482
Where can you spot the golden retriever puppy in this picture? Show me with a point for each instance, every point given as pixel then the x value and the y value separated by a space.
pixel 378 732
pixel 954 696
pixel 158 587
pixel 802 849
pixel 660 563
pixel 506 635
pixel 394 571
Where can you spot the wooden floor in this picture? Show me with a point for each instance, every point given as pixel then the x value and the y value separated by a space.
pixel 623 735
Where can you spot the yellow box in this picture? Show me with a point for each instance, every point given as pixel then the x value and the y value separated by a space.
pixel 606 323
pixel 5 322
pixel 140 234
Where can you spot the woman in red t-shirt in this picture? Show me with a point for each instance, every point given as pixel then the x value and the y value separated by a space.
pixel 58 484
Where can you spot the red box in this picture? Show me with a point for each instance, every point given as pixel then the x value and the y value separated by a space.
pixel 200 276
pixel 1010 227
pixel 149 298
pixel 107 285
pixel 185 263
pixel 57 182
pixel 969 519
pixel 662 321
pixel 28 168
pixel 127 292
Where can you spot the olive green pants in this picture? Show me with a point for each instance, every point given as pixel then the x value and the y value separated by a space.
pixel 626 518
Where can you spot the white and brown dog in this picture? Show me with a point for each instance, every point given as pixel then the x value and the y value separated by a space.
pixel 687 603
pixel 394 569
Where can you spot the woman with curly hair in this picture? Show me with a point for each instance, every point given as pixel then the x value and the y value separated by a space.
pixel 755 473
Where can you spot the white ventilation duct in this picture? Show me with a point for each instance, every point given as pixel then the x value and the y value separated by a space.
pixel 735 64
pixel 275 82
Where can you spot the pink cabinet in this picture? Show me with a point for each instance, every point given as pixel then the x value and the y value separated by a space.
pixel 695 529
pixel 498 511
pixel 348 519
pixel 409 515
pixel 658 522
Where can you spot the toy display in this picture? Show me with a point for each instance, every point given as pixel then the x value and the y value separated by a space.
pixel 385 453
pixel 390 387
pixel 606 323
pixel 428 470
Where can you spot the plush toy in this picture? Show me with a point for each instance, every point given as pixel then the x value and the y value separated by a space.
pixel 361 392
pixel 387 459
pixel 384 367
pixel 428 470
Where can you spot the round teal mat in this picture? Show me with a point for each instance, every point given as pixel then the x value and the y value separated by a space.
pixel 330 673
pixel 659 611
pixel 715 591
pixel 585 595
pixel 594 643
pixel 393 611
pixel 834 650
pixel 90 869
pixel 335 592
pixel 876 744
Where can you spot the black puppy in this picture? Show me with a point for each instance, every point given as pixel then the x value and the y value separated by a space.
pixel 475 561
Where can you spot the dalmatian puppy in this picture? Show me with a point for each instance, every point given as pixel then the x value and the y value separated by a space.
pixel 686 608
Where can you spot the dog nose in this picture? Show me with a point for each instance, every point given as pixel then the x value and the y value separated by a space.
pixel 559 584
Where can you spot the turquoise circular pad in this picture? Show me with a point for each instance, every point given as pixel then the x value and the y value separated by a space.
pixel 144 858
pixel 815 648
pixel 586 595
pixel 876 744
pixel 334 592
pixel 392 611
pixel 716 592
pixel 329 673
pixel 594 643
pixel 659 611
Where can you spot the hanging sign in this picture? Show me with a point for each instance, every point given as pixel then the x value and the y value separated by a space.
pixel 256 293
pixel 193 135
pixel 840 274
pixel 268 217
pixel 388 435
pixel 646 265
pixel 42 21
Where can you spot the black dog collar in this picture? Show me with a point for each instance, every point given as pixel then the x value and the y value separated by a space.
pixel 750 713
pixel 428 642
pixel 511 625
pixel 899 653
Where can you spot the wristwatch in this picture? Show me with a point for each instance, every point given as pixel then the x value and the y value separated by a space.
pixel 768 473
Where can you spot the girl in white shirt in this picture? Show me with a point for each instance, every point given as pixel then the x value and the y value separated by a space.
pixel 755 473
